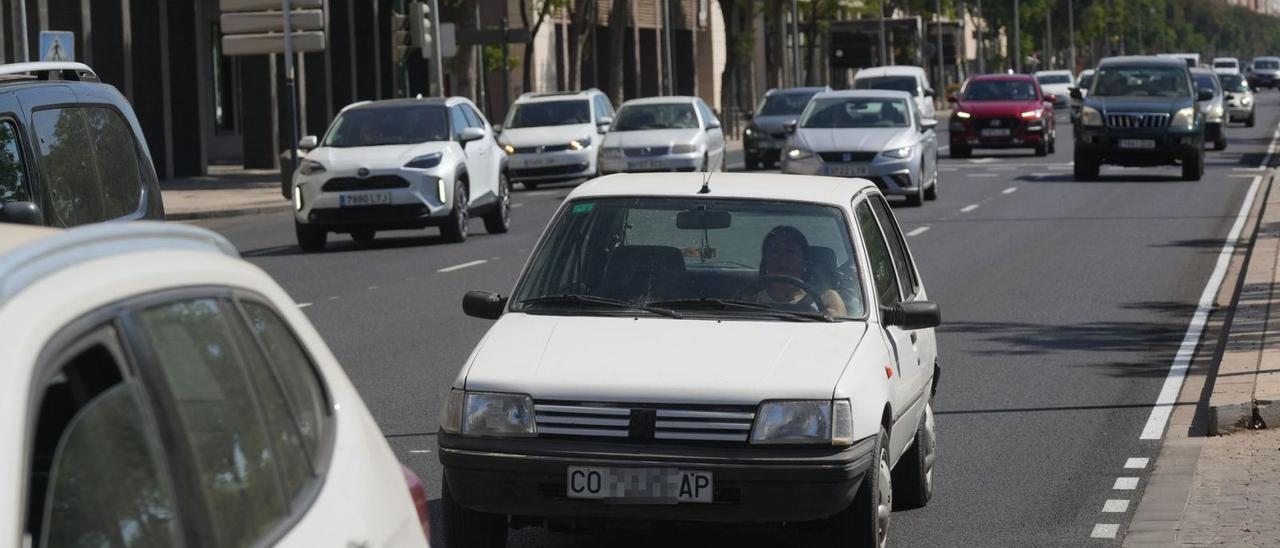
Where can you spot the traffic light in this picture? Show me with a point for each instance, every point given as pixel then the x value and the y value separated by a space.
pixel 399 37
pixel 420 28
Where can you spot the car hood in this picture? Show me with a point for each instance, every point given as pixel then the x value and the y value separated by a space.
pixel 551 135
pixel 661 360
pixel 374 157
pixel 1138 104
pixel 1061 90
pixel 774 124
pixel 651 137
pixel 822 140
pixel 998 109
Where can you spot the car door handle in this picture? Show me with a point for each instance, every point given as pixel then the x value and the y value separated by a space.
pixel 913 337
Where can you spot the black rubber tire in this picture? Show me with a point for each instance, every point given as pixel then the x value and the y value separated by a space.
pixel 1193 167
pixel 1220 144
pixel 466 527
pixel 1249 122
pixel 931 193
pixel 455 229
pixel 752 165
pixel 1053 144
pixel 363 236
pixel 916 199
pixel 310 239
pixel 1042 149
pixel 912 479
pixel 961 152
pixel 498 221
pixel 1085 169
pixel 858 524
pixel 530 186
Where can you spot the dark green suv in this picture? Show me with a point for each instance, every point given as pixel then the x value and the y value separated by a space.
pixel 1140 111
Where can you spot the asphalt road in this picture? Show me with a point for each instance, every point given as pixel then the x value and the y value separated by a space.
pixel 1063 304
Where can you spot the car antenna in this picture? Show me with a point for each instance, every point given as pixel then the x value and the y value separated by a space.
pixel 706 184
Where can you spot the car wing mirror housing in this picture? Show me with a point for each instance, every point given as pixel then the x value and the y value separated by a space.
pixel 471 134
pixel 790 126
pixel 309 142
pixel 912 315
pixel 25 213
pixel 1076 94
pixel 483 304
pixel 602 125
pixel 1204 95
pixel 928 124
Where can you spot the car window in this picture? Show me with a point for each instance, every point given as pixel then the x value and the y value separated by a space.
pixel 13 170
pixel 855 112
pixel 116 155
pixel 1140 81
pixel 293 371
pixel 473 118
pixel 1206 82
pixel 193 345
pixel 780 104
pixel 97 467
pixel 1000 90
pixel 602 108
pixel 459 121
pixel 897 244
pixel 908 84
pixel 388 125
pixel 708 117
pixel 549 113
pixel 878 254
pixel 66 166
pixel 656 116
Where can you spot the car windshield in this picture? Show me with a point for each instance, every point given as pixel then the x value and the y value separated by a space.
pixel 399 125
pixel 656 116
pixel 1233 82
pixel 550 113
pixel 1085 81
pixel 1140 81
pixel 1054 79
pixel 781 104
pixel 848 112
pixel 1000 90
pixel 1206 82
pixel 1266 65
pixel 1224 64
pixel 894 83
pixel 768 260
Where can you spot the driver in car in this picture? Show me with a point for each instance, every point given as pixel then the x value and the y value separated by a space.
pixel 784 263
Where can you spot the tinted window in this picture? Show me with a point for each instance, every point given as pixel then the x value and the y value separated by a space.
pixel 656 116
pixel 66 166
pixel 13 173
pixel 1140 81
pixel 603 108
pixel 889 226
pixel 878 254
pixel 1000 90
pixel 1266 65
pixel 117 159
pixel 1206 82
pixel 473 118
pixel 550 113
pixel 398 125
pixel 848 112
pixel 896 83
pixel 294 372
pixel 781 104
pixel 235 461
pixel 459 121
pixel 1233 82
pixel 1054 79
pixel 708 117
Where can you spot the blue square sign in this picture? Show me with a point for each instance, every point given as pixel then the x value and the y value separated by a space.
pixel 57 45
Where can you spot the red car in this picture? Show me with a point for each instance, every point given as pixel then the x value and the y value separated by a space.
pixel 1002 111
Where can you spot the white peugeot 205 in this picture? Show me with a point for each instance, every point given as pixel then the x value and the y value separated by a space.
pixel 731 350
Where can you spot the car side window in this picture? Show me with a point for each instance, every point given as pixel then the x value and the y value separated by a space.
pixel 897 245
pixel 97 465
pixel 708 117
pixel 885 277
pixel 473 118
pixel 66 166
pixel 603 108
pixel 458 120
pixel 213 405
pixel 119 166
pixel 13 170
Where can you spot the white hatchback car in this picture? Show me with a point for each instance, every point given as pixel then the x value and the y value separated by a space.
pixel 737 350
pixel 401 164
pixel 554 136
pixel 1057 83
pixel 184 402
pixel 663 134
pixel 908 78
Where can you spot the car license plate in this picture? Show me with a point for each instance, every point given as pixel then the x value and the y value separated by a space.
pixel 540 162
pixel 364 199
pixel 646 164
pixel 656 485
pixel 998 132
pixel 1138 143
pixel 847 171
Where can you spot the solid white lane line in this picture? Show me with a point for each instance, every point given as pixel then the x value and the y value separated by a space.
pixel 918 231
pixel 982 160
pixel 1115 506
pixel 1136 462
pixel 944 147
pixel 1159 417
pixel 1009 190
pixel 1271 150
pixel 983 175
pixel 463 265
pixel 1126 484
pixel 1105 530
pixel 303 305
pixel 968 208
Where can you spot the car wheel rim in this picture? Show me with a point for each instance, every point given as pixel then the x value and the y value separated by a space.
pixel 506 203
pixel 930 447
pixel 884 506
pixel 462 211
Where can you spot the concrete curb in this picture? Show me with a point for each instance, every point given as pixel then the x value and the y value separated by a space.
pixel 228 212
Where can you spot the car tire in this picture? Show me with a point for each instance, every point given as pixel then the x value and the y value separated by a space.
pixel 916 199
pixel 310 238
pixel 865 522
pixel 1193 167
pixel 1220 144
pixel 1042 149
pixel 455 228
pixel 752 165
pixel 913 478
pixel 960 152
pixel 1249 121
pixel 1085 169
pixel 530 186
pixel 466 527
pixel 363 236
pixel 498 221
pixel 1053 144
pixel 931 193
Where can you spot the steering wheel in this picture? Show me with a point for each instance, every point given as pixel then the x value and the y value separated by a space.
pixel 811 293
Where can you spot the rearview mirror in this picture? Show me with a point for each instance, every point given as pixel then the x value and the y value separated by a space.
pixel 912 315
pixel 702 219
pixel 309 142
pixel 1204 95
pixel 483 304
pixel 928 92
pixel 23 213
pixel 471 134
pixel 789 126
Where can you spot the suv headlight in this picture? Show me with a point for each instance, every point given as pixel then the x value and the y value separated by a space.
pixel 1032 114
pixel 1215 112
pixel 309 167
pixel 798 153
pixel 1090 116
pixel 579 144
pixel 611 152
pixel 751 131
pixel 426 161
pixel 1246 100
pixel 898 153
pixel 1184 119
pixel 963 115
pixel 488 414
pixel 804 422
pixel 684 148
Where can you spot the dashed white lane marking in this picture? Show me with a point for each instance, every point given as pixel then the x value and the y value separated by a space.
pixel 968 208
pixel 1003 168
pixel 303 305
pixel 1245 175
pixel 949 169
pixel 333 298
pixel 983 175
pixel 1126 484
pixel 539 192
pixel 467 264
pixel 1115 506
pixel 918 231
pixel 1248 169
pixel 1105 530
pixel 517 204
pixel 1136 462
pixel 1009 190
pixel 982 160
pixel 419 451
pixel 372 287
pixel 1159 417
pixel 944 147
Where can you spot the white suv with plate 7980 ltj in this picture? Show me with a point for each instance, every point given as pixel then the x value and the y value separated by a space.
pixel 683 349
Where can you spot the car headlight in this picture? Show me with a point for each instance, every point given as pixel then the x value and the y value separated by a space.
pixel 1184 119
pixel 963 115
pixel 798 153
pixel 579 144
pixel 1090 116
pixel 426 161
pixel 1032 114
pixel 804 422
pixel 1246 100
pixel 684 148
pixel 1216 111
pixel 309 167
pixel 898 153
pixel 488 414
pixel 508 149
pixel 751 131
pixel 611 152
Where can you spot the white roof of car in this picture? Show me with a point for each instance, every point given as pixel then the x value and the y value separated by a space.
pixel 879 93
pixel 1232 59
pixel 1052 72
pixel 760 186
pixel 892 70
pixel 661 100
pixel 556 96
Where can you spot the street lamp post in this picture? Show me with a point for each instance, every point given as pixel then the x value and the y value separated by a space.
pixel 884 53
pixel 982 38
pixel 942 69
pixel 1017 38
pixel 1071 31
pixel 1046 61
pixel 795 43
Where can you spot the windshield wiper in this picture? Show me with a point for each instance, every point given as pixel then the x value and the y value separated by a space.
pixel 728 304
pixel 590 299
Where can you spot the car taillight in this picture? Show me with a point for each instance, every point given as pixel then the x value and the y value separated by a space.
pixel 419 495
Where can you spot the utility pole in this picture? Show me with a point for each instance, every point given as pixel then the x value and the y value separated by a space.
pixel 982 38
pixel 1047 62
pixel 435 40
pixel 942 66
pixel 884 52
pixel 1071 30
pixel 289 87
pixel 795 43
pixel 1017 38
pixel 506 71
pixel 20 53
pixel 666 31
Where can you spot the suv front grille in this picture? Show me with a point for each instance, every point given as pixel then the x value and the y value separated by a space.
pixel 376 182
pixel 1138 121
pixel 644 422
pixel 853 156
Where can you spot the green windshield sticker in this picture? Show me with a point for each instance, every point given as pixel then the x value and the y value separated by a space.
pixel 583 208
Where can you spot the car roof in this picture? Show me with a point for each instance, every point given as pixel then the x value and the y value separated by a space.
pixel 1048 72
pixel 556 96
pixel 813 89
pixel 661 100
pixel 1147 60
pixel 404 102
pixel 891 93
pixel 760 186
pixel 997 77
pixel 890 70
pixel 1203 71
pixel 1216 59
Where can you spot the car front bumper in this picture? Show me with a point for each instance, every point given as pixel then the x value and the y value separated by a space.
pixel 652 164
pixel 1237 113
pixel 528 478
pixel 400 199
pixel 552 166
pixel 973 133
pixel 1170 146
pixel 891 176
pixel 763 147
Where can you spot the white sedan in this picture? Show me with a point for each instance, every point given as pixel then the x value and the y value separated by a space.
pixel 1057 83
pixel 663 134
pixel 160 391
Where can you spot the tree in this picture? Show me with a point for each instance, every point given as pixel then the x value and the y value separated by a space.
pixel 618 17
pixel 582 21
pixel 543 9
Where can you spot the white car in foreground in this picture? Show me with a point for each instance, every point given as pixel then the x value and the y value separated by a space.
pixel 663 134
pixel 401 164
pixel 748 348
pixel 159 391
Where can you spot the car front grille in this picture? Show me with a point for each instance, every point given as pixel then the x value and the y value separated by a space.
pixel 542 148
pixel 647 151
pixel 644 422
pixel 780 136
pixel 1138 121
pixel 376 182
pixel 852 156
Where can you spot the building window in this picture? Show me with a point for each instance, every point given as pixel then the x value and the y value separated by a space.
pixel 225 73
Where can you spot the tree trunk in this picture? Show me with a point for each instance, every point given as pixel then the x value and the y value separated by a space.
pixel 579 27
pixel 526 77
pixel 810 47
pixel 618 17
pixel 465 63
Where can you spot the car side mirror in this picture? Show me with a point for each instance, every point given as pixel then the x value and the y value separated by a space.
pixel 603 124
pixel 471 134
pixel 928 124
pixel 749 113
pixel 928 92
pixel 23 213
pixel 1076 94
pixel 790 126
pixel 309 142
pixel 483 304
pixel 1204 95
pixel 912 315
pixel 1230 97
pixel 713 124
pixel 497 128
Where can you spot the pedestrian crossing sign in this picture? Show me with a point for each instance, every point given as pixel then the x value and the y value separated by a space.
pixel 57 45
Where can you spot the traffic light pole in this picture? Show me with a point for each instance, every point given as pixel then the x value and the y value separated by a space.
pixel 290 86
pixel 438 54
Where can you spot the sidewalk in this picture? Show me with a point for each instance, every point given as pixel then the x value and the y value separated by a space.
pixel 225 192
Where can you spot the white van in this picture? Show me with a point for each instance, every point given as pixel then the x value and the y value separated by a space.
pixel 1191 59
pixel 1226 65
pixel 911 79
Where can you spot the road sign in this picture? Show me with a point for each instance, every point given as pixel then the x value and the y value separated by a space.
pixel 57 45
pixel 226 6
pixel 262 44
pixel 270 21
